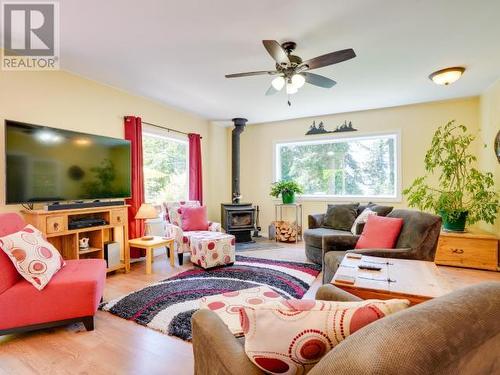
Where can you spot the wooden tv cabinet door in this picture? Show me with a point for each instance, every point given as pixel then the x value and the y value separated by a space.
pixel 55 226
pixel 473 249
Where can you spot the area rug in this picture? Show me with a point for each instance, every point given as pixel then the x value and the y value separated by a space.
pixel 167 306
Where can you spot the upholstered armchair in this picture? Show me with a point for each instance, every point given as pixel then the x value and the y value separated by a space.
pixel 417 240
pixel 173 226
pixel 457 333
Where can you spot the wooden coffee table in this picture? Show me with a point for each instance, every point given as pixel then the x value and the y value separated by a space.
pixel 415 280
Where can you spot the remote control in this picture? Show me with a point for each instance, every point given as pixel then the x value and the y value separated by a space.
pixel 368 267
pixel 354 256
pixel 345 279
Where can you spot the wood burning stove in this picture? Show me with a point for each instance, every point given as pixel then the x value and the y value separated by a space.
pixel 238 219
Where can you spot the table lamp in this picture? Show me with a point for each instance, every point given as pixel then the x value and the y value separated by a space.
pixel 146 211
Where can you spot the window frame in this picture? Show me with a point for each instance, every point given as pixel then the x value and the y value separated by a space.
pixel 151 131
pixel 337 139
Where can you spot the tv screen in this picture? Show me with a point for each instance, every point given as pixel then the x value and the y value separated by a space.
pixel 45 164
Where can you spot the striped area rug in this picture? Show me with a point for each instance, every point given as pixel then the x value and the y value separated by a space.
pixel 167 306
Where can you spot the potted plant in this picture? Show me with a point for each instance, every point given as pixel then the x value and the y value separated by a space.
pixel 463 194
pixel 287 189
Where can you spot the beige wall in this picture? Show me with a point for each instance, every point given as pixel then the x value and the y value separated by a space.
pixel 416 123
pixel 220 170
pixel 63 100
pixel 490 125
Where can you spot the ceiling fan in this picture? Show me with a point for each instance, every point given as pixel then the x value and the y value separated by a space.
pixel 292 72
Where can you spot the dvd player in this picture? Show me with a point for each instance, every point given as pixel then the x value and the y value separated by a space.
pixel 86 223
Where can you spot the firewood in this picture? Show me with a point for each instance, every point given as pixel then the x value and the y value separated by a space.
pixel 286 231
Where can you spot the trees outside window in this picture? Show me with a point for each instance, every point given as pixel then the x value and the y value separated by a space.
pixel 165 168
pixel 349 167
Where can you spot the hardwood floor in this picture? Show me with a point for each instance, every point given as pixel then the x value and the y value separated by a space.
pixel 117 346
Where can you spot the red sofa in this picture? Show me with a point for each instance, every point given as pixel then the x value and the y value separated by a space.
pixel 73 294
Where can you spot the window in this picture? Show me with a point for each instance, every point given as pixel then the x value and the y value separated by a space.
pixel 165 167
pixel 344 167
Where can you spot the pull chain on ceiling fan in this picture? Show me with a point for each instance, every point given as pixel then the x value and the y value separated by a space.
pixel 291 72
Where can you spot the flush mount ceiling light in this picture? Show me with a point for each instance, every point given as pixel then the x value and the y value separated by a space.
pixel 447 76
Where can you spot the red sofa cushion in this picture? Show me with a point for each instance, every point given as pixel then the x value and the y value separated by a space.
pixel 9 223
pixel 74 292
pixel 380 232
pixel 194 218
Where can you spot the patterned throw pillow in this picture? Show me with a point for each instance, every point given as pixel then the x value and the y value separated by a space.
pixel 362 218
pixel 291 336
pixel 227 305
pixel 34 258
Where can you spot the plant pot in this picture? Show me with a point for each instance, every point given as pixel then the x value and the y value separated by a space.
pixel 288 198
pixel 456 224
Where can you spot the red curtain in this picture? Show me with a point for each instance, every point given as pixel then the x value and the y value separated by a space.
pixel 195 176
pixel 133 133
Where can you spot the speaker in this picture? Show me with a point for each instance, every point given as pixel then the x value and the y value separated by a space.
pixel 112 254
pixel 77 205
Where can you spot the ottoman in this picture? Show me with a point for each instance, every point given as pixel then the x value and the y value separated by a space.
pixel 212 249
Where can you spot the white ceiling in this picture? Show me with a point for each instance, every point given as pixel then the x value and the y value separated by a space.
pixel 177 52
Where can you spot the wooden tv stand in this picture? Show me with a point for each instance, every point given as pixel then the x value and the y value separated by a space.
pixel 54 225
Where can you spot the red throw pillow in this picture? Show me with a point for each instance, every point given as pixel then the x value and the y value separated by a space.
pixel 194 218
pixel 380 232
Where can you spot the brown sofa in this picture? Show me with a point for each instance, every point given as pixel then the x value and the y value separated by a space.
pixel 417 240
pixel 458 333
pixel 335 239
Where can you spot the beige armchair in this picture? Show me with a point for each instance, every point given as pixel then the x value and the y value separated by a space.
pixel 458 333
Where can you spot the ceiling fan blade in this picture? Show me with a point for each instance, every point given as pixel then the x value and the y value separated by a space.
pixel 249 74
pixel 271 91
pixel 330 58
pixel 276 51
pixel 317 80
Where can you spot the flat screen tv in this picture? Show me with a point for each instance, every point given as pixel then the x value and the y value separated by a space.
pixel 45 164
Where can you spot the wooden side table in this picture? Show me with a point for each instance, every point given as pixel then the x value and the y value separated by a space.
pixel 472 249
pixel 150 245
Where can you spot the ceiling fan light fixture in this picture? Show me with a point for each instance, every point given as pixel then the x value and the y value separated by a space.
pixel 447 76
pixel 298 80
pixel 278 83
pixel 291 88
pixel 291 72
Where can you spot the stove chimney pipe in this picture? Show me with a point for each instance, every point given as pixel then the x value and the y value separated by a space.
pixel 239 126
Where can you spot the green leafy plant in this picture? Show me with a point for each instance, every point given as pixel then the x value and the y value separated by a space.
pixel 285 187
pixel 462 189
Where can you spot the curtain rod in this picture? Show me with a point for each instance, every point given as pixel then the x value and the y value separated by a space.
pixel 167 129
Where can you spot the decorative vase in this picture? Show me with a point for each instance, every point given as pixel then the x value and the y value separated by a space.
pixel 288 197
pixel 455 225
